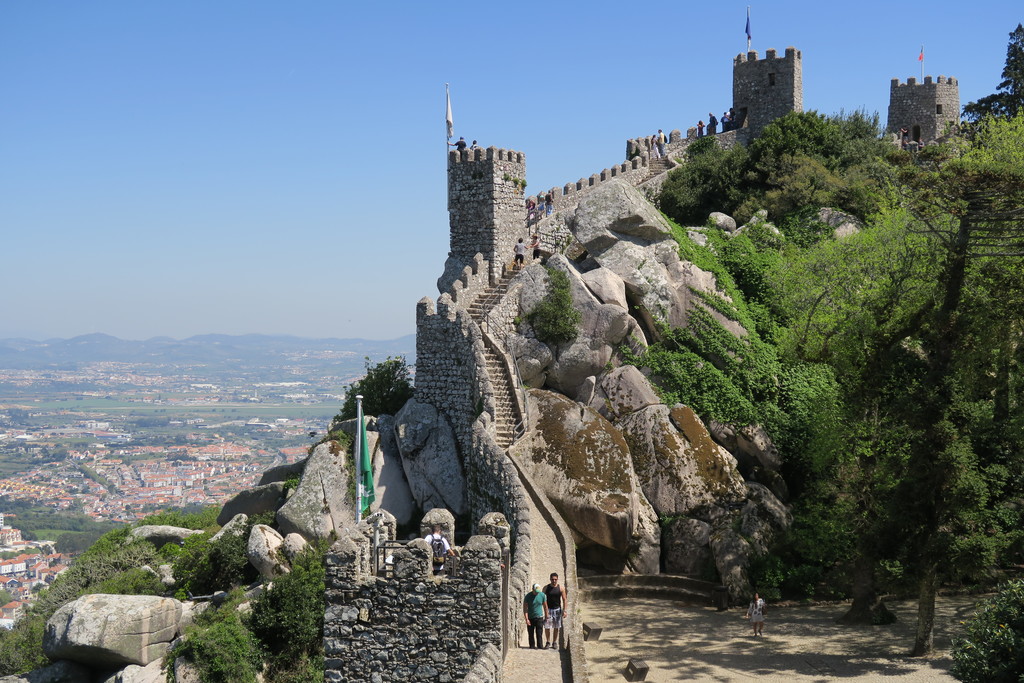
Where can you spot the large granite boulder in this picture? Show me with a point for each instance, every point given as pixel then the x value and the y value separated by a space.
pixel 678 464
pixel 756 455
pixel 430 457
pixel 161 534
pixel 581 462
pixel 264 498
pixel 621 392
pixel 843 224
pixel 63 671
pixel 606 286
pixel 133 673
pixel 265 552
pixel 624 233
pixel 319 506
pixel 390 486
pixel 732 554
pixel 235 527
pixel 282 472
pixel 722 221
pixel 102 630
pixel 602 328
pixel 685 546
pixel 763 517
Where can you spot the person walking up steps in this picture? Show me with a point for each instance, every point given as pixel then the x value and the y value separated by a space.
pixel 756 614
pixel 556 610
pixel 535 609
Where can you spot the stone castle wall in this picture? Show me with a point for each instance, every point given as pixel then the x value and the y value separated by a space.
pixel 925 109
pixel 451 370
pixel 567 197
pixel 413 626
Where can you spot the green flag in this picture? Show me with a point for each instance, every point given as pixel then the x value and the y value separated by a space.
pixel 365 469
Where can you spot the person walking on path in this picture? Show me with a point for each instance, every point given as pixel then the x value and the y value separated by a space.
pixel 756 614
pixel 556 610
pixel 520 250
pixel 535 609
pixel 661 143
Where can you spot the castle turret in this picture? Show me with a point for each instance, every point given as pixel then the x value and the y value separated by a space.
pixel 924 109
pixel 485 208
pixel 766 89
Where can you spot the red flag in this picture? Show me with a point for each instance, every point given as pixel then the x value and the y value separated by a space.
pixel 920 57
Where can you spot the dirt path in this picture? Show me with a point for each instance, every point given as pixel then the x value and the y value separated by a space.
pixel 682 643
pixel 523 665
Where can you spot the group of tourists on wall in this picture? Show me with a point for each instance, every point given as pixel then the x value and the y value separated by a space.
pixel 537 208
pixel 728 122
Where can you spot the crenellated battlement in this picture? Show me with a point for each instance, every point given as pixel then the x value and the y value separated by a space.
pixel 912 82
pixel 769 55
pixel 568 196
pixel 489 154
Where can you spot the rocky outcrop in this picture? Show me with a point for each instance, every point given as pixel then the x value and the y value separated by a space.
pixel 319 506
pixel 685 546
pixel 756 455
pixel 679 466
pixel 265 498
pixel 582 464
pixel 151 673
pixel 430 457
pixel 58 672
pixel 282 472
pixel 843 224
pixel 722 221
pixel 390 485
pixel 625 234
pixel 235 527
pixel 265 552
pixel 621 392
pixel 161 534
pixel 110 630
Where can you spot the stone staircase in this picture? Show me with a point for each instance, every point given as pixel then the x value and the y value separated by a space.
pixel 676 587
pixel 659 166
pixel 506 422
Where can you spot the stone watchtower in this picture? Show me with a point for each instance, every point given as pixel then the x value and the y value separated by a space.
pixel 764 90
pixel 485 209
pixel 924 109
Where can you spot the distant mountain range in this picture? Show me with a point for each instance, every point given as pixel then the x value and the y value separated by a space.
pixel 207 348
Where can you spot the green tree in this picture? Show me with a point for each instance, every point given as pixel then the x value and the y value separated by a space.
pixel 1008 99
pixel 555 319
pixel 385 388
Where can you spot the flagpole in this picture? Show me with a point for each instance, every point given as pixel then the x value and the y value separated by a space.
pixel 357 452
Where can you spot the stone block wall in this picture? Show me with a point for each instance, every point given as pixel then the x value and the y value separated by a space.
pixel 413 626
pixel 925 109
pixel 485 205
pixel 451 370
pixel 766 89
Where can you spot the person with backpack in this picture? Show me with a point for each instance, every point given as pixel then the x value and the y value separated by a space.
pixel 439 547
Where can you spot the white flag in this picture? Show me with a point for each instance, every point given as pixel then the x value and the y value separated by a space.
pixel 448 112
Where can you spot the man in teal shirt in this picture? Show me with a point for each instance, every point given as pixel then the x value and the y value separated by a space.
pixel 535 609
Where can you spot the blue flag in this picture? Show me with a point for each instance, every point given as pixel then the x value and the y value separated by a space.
pixel 748 24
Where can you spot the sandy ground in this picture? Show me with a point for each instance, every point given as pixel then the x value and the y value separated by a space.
pixel 682 643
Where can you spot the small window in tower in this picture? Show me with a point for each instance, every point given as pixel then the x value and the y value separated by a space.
pixel 771 79
pixel 938 108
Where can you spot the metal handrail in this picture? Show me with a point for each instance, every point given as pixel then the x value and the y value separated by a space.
pixel 523 425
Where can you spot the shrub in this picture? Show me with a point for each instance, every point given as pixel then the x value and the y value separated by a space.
pixel 288 619
pixel 220 646
pixel 21 648
pixel 202 567
pixel 992 649
pixel 202 519
pixel 555 319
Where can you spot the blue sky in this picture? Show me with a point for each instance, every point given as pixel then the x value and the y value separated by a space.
pixel 187 167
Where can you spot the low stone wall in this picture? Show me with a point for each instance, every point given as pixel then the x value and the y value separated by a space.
pixel 413 626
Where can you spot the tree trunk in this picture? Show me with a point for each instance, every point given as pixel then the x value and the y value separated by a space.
pixel 923 641
pixel 867 606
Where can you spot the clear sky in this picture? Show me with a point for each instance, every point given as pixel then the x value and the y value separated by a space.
pixel 195 166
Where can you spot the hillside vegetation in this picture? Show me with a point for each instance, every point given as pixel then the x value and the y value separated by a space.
pixel 886 363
